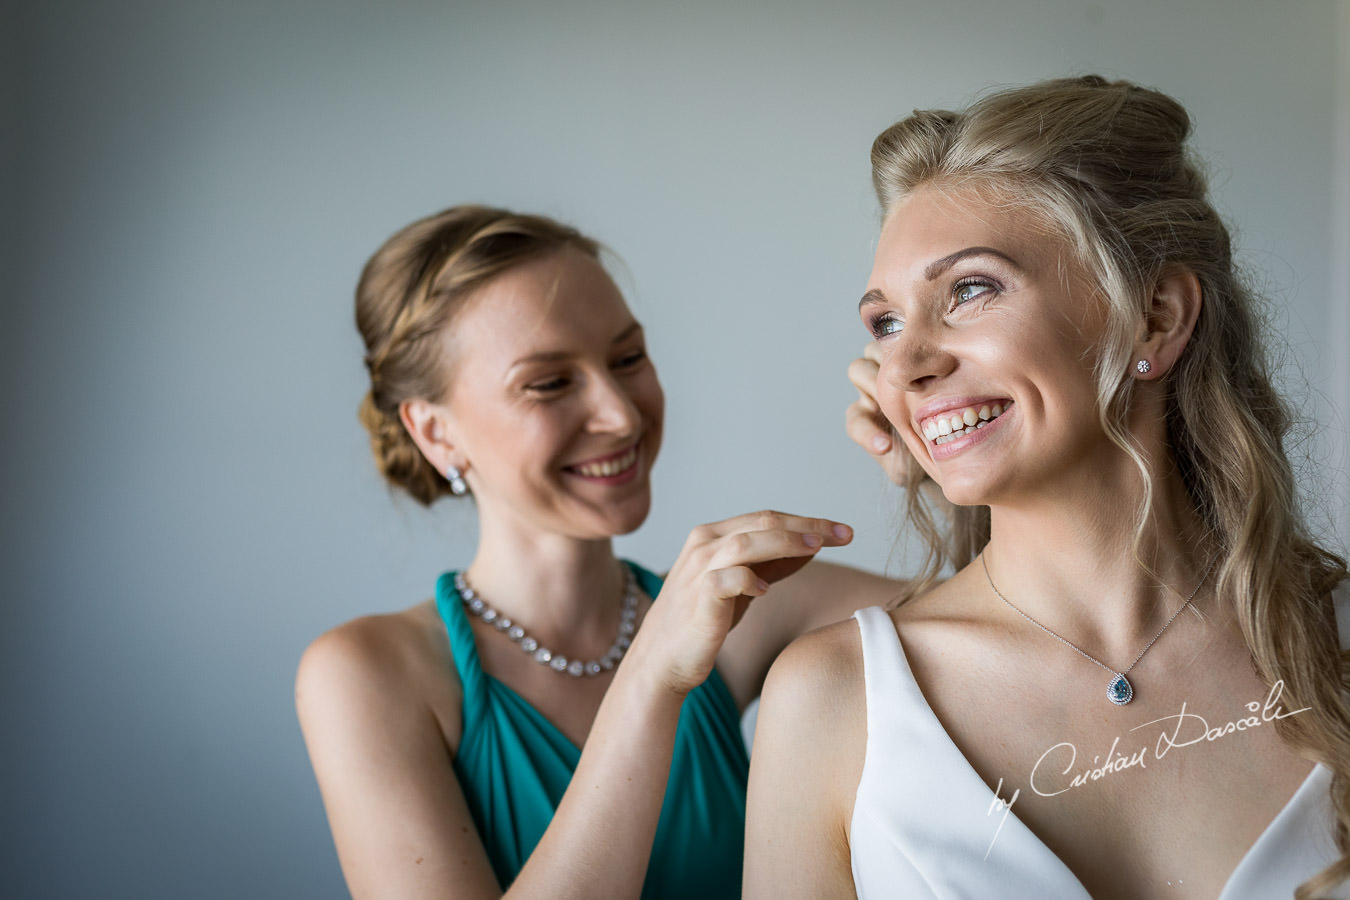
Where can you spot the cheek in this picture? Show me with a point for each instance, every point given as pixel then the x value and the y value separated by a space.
pixel 651 399
pixel 530 440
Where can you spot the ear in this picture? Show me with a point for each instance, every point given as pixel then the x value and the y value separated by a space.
pixel 430 426
pixel 1169 319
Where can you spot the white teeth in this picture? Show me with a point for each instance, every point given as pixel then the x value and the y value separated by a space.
pixel 947 428
pixel 610 467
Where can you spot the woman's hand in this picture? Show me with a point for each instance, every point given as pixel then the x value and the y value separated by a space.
pixel 722 568
pixel 865 423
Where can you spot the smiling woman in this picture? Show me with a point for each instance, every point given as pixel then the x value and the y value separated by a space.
pixel 551 394
pixel 507 369
pixel 1062 342
pixel 1016 324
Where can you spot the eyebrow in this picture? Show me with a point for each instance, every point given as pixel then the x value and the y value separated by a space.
pixel 938 266
pixel 872 296
pixel 550 356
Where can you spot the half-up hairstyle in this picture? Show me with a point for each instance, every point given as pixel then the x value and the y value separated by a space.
pixel 1106 165
pixel 409 292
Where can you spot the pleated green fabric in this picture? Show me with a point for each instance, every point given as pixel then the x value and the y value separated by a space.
pixel 514 766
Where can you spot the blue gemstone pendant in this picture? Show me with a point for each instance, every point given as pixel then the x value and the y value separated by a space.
pixel 1120 691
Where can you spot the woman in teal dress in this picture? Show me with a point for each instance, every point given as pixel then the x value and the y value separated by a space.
pixel 447 738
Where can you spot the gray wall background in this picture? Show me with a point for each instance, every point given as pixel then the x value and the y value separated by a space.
pixel 190 189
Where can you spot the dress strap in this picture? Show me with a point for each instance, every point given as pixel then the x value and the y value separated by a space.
pixel 887 685
pixel 462 647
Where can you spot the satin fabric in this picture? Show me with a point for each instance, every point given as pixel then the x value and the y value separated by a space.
pixel 925 824
pixel 514 765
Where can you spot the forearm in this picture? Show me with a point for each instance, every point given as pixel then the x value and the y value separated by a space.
pixel 600 839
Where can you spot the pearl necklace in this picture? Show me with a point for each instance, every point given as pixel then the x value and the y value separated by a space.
pixel 1119 691
pixel 544 656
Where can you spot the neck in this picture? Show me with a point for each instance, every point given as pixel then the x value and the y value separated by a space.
pixel 554 585
pixel 1077 563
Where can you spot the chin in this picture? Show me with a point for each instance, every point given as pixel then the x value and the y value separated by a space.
pixel 632 518
pixel 962 492
pixel 612 521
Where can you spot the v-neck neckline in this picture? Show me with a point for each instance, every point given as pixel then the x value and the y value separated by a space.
pixel 1315 779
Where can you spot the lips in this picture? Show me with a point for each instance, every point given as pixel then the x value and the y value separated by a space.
pixel 958 422
pixel 611 466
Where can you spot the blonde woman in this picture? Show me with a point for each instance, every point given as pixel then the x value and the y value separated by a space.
pixel 488 742
pixel 1132 686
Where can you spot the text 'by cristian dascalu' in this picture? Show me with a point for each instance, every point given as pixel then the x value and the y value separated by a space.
pixel 1057 771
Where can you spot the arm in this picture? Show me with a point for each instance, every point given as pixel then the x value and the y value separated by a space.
pixel 809 749
pixel 399 819
pixel 821 593
pixel 601 837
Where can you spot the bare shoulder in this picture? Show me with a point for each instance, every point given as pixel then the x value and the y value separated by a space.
pixel 826 659
pixel 376 646
pixel 815 688
pixel 379 666
pixel 810 742
pixel 814 701
pixel 380 706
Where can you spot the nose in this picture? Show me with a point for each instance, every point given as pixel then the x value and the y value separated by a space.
pixel 917 358
pixel 612 408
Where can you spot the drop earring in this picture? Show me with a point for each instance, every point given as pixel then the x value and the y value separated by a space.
pixel 1143 367
pixel 458 486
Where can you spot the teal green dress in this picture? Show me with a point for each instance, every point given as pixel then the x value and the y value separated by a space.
pixel 514 765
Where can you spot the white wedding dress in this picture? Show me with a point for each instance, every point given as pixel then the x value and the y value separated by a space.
pixel 924 820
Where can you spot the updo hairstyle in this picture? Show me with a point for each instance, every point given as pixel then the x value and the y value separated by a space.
pixel 409 292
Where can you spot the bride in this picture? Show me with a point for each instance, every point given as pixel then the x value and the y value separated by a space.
pixel 1134 689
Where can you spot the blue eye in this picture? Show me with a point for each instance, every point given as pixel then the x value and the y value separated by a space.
pixel 966 291
pixel 885 324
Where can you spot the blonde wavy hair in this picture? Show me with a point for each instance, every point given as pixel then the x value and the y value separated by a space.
pixel 409 293
pixel 1107 165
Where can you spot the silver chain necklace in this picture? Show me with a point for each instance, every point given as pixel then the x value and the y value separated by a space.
pixel 1119 691
pixel 544 656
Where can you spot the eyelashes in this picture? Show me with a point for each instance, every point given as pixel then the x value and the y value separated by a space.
pixel 974 288
pixel 967 290
pixel 547 386
pixel 631 360
pixel 884 324
pixel 556 384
